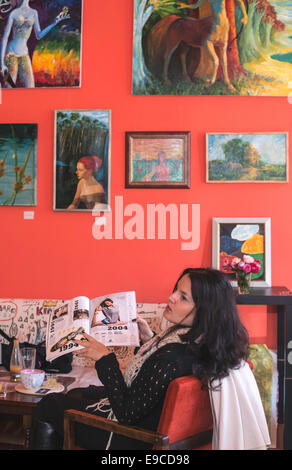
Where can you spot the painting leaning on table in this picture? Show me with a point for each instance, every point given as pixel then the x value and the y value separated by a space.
pixel 18 155
pixel 247 158
pixel 239 237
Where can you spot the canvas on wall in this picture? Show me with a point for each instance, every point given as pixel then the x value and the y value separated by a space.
pixel 212 47
pixel 18 160
pixel 82 160
pixel 157 159
pixel 236 237
pixel 247 157
pixel 40 43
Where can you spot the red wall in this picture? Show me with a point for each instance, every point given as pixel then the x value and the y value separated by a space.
pixel 56 256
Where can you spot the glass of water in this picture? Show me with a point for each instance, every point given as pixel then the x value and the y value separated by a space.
pixel 28 358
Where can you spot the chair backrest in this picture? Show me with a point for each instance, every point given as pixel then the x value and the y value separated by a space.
pixel 186 410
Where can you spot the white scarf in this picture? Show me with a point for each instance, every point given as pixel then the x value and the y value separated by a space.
pixel 135 363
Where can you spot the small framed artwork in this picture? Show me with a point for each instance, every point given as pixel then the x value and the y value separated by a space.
pixel 157 160
pixel 235 237
pixel 82 160
pixel 18 144
pixel 247 158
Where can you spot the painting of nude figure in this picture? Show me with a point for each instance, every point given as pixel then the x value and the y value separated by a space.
pixel 212 47
pixel 157 159
pixel 40 43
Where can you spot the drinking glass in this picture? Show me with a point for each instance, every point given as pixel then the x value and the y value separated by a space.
pixel 51 379
pixel 28 358
pixel 3 389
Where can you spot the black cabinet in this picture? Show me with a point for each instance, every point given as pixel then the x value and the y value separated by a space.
pixel 281 297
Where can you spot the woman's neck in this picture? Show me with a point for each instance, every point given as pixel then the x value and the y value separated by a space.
pixel 90 180
pixel 25 4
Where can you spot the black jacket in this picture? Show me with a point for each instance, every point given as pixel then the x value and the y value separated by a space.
pixel 141 404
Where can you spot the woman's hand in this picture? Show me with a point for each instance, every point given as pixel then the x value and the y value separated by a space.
pixel 61 18
pixel 145 331
pixel 63 15
pixel 92 348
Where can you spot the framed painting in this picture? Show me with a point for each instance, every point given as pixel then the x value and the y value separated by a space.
pixel 247 158
pixel 18 163
pixel 178 50
pixel 235 237
pixel 40 43
pixel 157 160
pixel 82 160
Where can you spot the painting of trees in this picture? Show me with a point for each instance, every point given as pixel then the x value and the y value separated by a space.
pixel 247 158
pixel 143 9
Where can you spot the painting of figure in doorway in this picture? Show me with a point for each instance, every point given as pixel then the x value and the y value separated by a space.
pixel 157 159
pixel 82 160
pixel 40 43
pixel 212 47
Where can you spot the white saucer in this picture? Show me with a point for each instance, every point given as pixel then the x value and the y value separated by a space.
pixel 55 389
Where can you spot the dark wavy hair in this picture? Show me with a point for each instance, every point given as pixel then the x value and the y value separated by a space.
pixel 103 303
pixel 217 339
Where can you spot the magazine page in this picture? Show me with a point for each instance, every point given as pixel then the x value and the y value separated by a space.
pixel 112 319
pixel 67 322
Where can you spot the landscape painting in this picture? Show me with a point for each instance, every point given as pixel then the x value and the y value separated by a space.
pixel 18 160
pixel 246 158
pixel 82 160
pixel 40 43
pixel 207 47
pixel 236 237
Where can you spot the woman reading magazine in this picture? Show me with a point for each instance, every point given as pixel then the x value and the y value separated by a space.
pixel 206 339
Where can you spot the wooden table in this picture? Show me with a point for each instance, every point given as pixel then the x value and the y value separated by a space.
pixel 16 403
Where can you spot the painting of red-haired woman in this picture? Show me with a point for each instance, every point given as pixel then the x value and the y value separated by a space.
pixel 82 160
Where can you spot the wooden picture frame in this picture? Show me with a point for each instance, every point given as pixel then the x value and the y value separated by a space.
pixel 247 157
pixel 235 237
pixel 158 160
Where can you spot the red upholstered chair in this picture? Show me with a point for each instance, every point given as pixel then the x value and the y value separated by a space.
pixel 186 420
pixel 186 416
pixel 185 423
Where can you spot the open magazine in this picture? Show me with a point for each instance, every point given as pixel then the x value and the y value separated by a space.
pixel 110 319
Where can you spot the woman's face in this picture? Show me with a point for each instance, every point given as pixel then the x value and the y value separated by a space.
pixel 81 171
pixel 108 303
pixel 181 306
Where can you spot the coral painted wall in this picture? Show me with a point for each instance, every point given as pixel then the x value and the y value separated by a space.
pixel 56 256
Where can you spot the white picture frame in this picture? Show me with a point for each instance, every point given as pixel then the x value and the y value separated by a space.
pixel 230 235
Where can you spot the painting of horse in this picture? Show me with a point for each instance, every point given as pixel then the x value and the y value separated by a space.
pixel 218 47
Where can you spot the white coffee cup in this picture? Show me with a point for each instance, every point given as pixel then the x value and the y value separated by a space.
pixel 32 378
